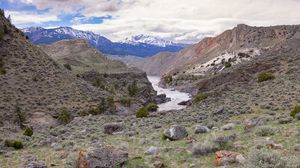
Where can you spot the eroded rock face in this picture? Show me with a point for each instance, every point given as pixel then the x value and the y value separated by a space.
pixel 42 120
pixel 105 157
pixel 176 133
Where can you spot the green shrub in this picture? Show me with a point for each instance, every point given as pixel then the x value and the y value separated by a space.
pixel 265 131
pixel 200 97
pixel 126 102
pixel 265 76
pixel 142 113
pixel 1 32
pixel 2 70
pixel 132 89
pixel 152 107
pixel 13 143
pixel 68 66
pixel 265 159
pixel 295 111
pixel 64 116
pixel 28 131
pixel 227 64
pixel 167 78
pixel 20 117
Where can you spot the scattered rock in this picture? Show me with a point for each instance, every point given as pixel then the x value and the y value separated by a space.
pixel 158 164
pixel 223 158
pixel 175 133
pixel 203 149
pixel 201 129
pixel 285 120
pixel 152 151
pixel 34 164
pixel 297 147
pixel 275 146
pixel 162 98
pixel 111 128
pixel 184 103
pixel 229 126
pixel 107 156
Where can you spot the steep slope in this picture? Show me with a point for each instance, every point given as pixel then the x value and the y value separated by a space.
pixel 34 83
pixel 145 48
pixel 232 47
pixel 102 72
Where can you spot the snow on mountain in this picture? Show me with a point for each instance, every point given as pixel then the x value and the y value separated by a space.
pixel 141 45
pixel 137 39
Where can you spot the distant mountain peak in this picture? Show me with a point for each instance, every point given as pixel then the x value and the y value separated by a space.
pixel 140 45
pixel 147 39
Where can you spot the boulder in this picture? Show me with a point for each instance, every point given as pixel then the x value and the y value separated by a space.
pixel 175 133
pixel 201 129
pixel 162 98
pixel 152 151
pixel 223 158
pixel 297 147
pixel 111 128
pixel 107 156
pixel 297 116
pixel 229 126
pixel 185 103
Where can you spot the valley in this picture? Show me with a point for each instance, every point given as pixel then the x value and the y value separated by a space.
pixel 75 99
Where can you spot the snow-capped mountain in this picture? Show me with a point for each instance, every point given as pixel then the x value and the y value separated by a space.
pixel 138 39
pixel 142 46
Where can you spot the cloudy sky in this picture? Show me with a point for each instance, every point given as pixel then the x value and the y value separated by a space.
pixel 178 20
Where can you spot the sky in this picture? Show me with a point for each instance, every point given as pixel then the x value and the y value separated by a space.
pixel 184 21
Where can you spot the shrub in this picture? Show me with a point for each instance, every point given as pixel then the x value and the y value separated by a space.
pixel 1 32
pixel 132 89
pixel 224 142
pixel 295 111
pixel 227 64
pixel 265 159
pixel 20 117
pixel 142 112
pixel 203 149
pixel 152 107
pixel 13 143
pixel 2 70
pixel 167 78
pixel 28 131
pixel 200 97
pixel 64 116
pixel 265 76
pixel 126 102
pixel 68 66
pixel 265 131
pixel 5 29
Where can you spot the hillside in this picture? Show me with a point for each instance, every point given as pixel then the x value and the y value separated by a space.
pixel 102 72
pixel 144 46
pixel 33 84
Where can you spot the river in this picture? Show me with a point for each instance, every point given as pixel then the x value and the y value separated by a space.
pixel 176 96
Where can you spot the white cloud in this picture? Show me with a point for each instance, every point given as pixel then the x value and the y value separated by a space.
pixel 183 21
pixel 24 18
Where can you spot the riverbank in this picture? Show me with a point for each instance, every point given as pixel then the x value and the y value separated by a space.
pixel 176 96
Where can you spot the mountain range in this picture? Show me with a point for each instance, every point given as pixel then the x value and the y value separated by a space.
pixel 140 45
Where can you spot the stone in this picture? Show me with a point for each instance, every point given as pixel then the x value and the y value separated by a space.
pixel 201 129
pixel 223 158
pixel 162 98
pixel 107 156
pixel 152 151
pixel 297 147
pixel 158 164
pixel 111 128
pixel 175 133
pixel 229 126
pixel 184 103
